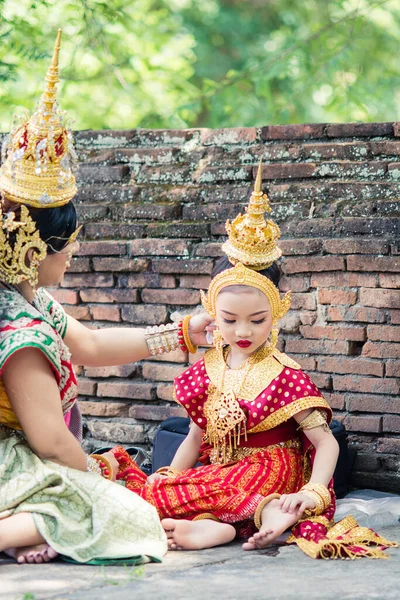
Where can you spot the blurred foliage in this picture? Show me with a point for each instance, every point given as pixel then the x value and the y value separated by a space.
pixel 208 63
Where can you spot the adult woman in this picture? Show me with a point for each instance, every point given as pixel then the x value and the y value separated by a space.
pixel 48 494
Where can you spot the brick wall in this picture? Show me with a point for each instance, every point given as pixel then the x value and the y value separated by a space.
pixel 154 203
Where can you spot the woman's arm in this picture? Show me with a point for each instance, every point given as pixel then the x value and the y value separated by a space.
pixel 188 452
pixel 34 396
pixel 118 345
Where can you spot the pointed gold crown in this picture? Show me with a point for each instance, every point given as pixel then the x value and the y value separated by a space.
pixel 38 157
pixel 253 240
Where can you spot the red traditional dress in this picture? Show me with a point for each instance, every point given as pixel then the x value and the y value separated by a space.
pixel 252 447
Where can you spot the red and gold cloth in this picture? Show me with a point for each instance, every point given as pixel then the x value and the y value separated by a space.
pixel 272 456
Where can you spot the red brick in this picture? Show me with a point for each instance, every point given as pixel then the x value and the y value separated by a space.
pixel 392 368
pixel 385 350
pixel 359 129
pixel 88 280
pixel 306 301
pixel 91 212
pixel 163 175
pixel 312 264
pixel 169 265
pixel 155 413
pixel 385 148
pixel 207 175
pixel 208 249
pixel 109 431
pixel 106 312
pixel 144 314
pixel 147 155
pixel 176 356
pixel 307 363
pixel 335 400
pixel 296 247
pixel 114 371
pixel 149 280
pixel 233 135
pixel 355 313
pixel 389 281
pixel 336 297
pixel 357 366
pixel 81 313
pixel 79 265
pixel 350 170
pixel 135 390
pixel 293 132
pixel 114 230
pixel 366 462
pixel 212 212
pixel 286 170
pixel 373 263
pixel 165 391
pixel 86 387
pixel 344 280
pixel 104 409
pixel 369 424
pixel 295 284
pixel 355 246
pixel 158 247
pixel 391 423
pixel 161 372
pixel 108 296
pixel 308 318
pixel 149 211
pixel 322 381
pixel 344 150
pixel 106 248
pixel 368 385
pixel 102 174
pixel 200 282
pixel 178 296
pixel 394 317
pixel 166 137
pixel 355 334
pixel 317 347
pixel 179 229
pixel 120 264
pixel 389 446
pixel 384 333
pixel 380 298
pixel 65 296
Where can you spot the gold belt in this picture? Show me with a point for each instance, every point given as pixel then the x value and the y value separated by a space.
pixel 237 454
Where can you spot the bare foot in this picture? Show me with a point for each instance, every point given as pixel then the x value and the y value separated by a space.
pixel 197 535
pixel 41 553
pixel 273 523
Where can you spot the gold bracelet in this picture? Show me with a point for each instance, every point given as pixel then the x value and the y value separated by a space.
pixel 264 502
pixel 321 490
pixel 104 464
pixel 319 507
pixel 168 471
pixel 162 338
pixel 185 330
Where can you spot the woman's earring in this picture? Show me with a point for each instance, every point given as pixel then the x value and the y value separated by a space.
pixel 218 340
pixel 273 340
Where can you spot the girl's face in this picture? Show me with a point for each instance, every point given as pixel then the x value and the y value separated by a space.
pixel 53 267
pixel 244 319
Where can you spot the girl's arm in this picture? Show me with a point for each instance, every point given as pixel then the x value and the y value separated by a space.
pixel 118 345
pixel 35 399
pixel 188 452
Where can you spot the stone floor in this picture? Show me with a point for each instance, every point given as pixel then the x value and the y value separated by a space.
pixel 224 573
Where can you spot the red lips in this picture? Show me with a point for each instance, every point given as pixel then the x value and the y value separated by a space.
pixel 243 343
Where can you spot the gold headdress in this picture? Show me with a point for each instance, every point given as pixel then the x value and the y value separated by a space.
pixel 38 157
pixel 251 247
pixel 252 239
pixel 38 161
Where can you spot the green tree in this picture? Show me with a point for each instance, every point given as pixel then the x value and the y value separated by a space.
pixel 213 63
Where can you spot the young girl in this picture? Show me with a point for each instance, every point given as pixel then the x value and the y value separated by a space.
pixel 259 425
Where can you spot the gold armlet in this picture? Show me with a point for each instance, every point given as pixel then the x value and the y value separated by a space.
pixel 162 338
pixel 264 502
pixel 316 418
pixel 104 464
pixel 185 331
pixel 168 471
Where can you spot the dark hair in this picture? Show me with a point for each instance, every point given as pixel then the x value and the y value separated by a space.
pixel 55 225
pixel 273 273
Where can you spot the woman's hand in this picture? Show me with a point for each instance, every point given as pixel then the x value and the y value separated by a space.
pixel 291 503
pixel 198 327
pixel 155 477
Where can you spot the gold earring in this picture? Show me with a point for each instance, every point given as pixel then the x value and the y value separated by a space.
pixel 273 340
pixel 218 340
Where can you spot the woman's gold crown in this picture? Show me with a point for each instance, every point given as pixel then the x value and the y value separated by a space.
pixel 252 240
pixel 38 156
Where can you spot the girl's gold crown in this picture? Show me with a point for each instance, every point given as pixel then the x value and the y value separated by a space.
pixel 251 239
pixel 38 157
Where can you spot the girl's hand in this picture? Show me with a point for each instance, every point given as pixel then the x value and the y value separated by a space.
pixel 113 462
pixel 290 503
pixel 155 477
pixel 198 327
